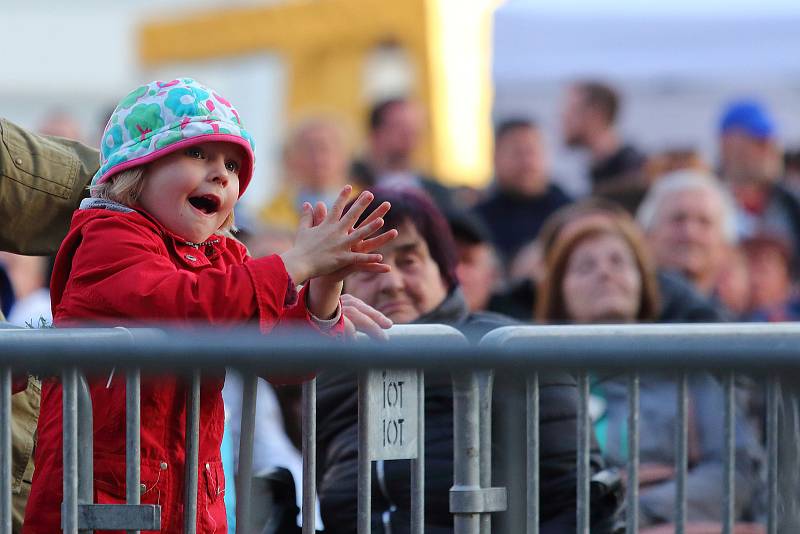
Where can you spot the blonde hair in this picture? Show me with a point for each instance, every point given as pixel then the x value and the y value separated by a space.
pixel 126 188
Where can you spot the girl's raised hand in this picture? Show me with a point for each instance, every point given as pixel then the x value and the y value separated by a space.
pixel 329 243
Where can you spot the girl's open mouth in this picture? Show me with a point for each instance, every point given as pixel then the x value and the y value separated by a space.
pixel 208 204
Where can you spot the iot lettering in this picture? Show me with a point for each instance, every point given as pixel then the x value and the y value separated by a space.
pixel 393 414
pixel 392 397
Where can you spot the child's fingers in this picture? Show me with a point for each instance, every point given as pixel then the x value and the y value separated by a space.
pixel 377 213
pixel 358 258
pixel 320 212
pixel 370 268
pixel 364 232
pixel 306 216
pixel 373 267
pixel 376 242
pixel 341 201
pixel 359 206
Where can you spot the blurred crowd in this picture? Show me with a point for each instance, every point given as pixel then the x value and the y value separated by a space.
pixel 663 237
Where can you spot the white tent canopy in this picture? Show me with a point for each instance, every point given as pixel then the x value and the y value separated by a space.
pixel 676 67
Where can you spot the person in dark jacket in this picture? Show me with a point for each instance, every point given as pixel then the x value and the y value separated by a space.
pixel 589 123
pixel 523 195
pixel 422 288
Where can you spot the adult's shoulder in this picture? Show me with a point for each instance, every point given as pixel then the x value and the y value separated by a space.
pixel 790 200
pixel 487 203
pixel 442 195
pixel 557 193
pixel 786 193
pixel 682 303
pixel 478 324
pixel 361 173
pixel 516 301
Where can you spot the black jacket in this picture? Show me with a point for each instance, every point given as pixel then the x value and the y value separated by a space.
pixel 337 431
pixel 515 220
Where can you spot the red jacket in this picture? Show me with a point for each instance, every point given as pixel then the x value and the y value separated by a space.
pixel 125 269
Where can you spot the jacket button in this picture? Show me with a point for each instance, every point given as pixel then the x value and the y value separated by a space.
pixel 18 161
pixel 142 488
pixel 190 257
pixel 164 466
pixel 208 467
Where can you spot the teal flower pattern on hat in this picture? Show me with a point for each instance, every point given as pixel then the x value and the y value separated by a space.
pixel 112 138
pixel 172 137
pixel 183 101
pixel 143 120
pixel 132 97
pixel 160 117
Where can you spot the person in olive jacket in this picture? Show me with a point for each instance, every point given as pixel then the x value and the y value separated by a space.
pixel 42 181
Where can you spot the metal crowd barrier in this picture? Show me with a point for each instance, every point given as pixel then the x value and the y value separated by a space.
pixel 754 349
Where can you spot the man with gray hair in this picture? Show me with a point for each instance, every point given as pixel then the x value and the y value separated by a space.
pixel 690 222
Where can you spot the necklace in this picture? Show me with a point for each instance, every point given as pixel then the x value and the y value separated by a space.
pixel 203 244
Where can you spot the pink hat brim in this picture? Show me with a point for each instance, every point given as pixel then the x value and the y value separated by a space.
pixel 245 173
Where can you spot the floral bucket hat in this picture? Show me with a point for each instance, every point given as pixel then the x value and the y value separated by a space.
pixel 162 117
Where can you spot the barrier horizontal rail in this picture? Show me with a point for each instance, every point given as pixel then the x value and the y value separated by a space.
pixel 679 350
pixel 675 348
pixel 612 347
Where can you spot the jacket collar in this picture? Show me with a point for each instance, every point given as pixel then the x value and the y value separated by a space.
pixel 103 204
pixel 100 203
pixel 452 310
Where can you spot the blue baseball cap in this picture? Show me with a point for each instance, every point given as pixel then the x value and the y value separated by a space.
pixel 750 117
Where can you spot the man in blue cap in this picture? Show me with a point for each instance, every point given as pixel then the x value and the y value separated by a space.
pixel 751 165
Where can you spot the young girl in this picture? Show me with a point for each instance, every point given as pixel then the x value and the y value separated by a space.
pixel 150 245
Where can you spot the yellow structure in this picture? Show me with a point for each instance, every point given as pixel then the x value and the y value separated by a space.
pixel 326 44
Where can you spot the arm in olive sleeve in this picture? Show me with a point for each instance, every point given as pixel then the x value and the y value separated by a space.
pixel 42 181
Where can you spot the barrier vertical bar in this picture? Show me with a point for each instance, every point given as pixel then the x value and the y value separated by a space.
pixel 633 455
pixel 5 450
pixel 69 506
pixel 132 438
pixel 418 464
pixel 85 444
pixel 532 431
pixel 772 453
pixel 485 379
pixel 244 469
pixel 466 441
pixel 309 455
pixel 364 464
pixel 682 457
pixel 192 453
pixel 730 458
pixel 584 433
